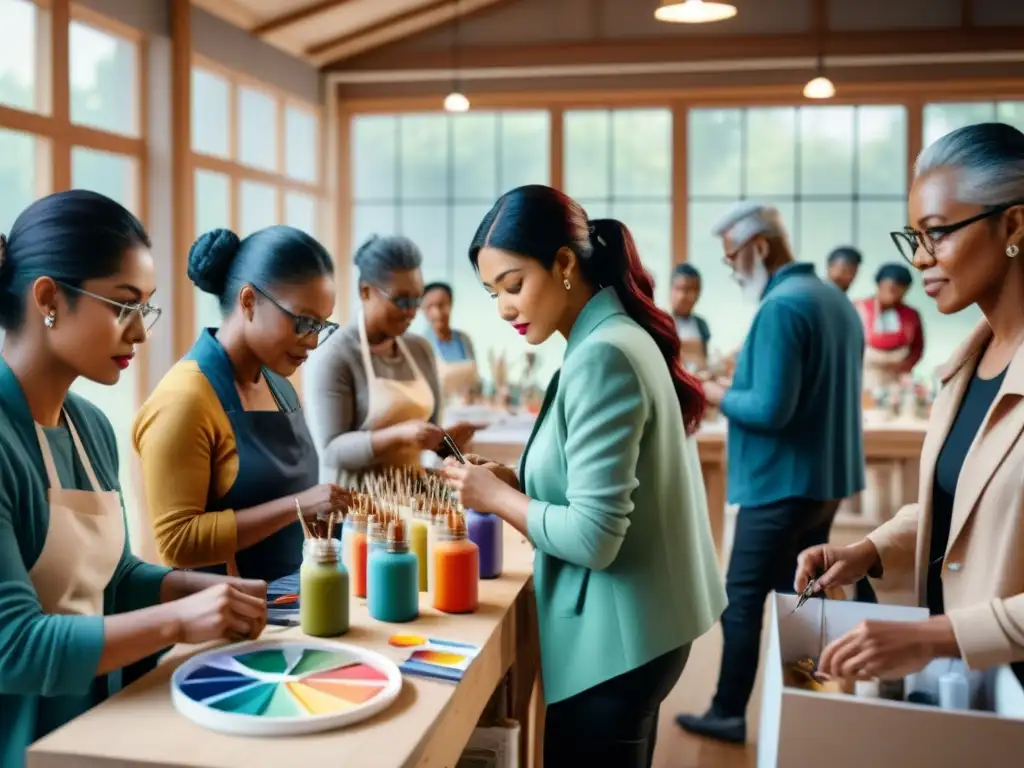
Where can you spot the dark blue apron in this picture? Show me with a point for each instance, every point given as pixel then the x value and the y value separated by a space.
pixel 276 458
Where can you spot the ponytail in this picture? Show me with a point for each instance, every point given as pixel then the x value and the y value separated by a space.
pixel 616 263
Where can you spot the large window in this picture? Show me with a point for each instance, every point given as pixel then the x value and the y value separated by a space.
pixel 104 79
pixel 838 175
pixel 941 118
pixel 432 177
pixel 20 22
pixel 618 164
pixel 250 180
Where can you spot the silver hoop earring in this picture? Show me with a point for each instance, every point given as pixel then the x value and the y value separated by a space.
pixel 51 319
pixel 565 282
pixel 1012 250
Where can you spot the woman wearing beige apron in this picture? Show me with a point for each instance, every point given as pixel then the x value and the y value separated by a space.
pixel 893 333
pixel 77 608
pixel 372 393
pixel 456 361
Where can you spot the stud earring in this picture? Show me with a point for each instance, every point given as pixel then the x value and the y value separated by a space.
pixel 1012 250
pixel 565 282
pixel 51 319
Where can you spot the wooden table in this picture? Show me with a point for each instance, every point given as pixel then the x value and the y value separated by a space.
pixel 428 725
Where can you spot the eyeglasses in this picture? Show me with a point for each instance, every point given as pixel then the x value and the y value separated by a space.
pixel 128 310
pixel 304 325
pixel 908 240
pixel 404 303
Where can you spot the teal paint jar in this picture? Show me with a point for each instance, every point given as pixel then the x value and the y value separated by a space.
pixel 393 589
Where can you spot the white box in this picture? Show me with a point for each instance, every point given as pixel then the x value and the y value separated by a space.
pixel 803 728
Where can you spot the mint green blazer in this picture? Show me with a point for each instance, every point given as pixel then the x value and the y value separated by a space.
pixel 625 568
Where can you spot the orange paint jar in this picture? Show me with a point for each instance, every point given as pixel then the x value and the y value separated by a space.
pixel 456 571
pixel 354 557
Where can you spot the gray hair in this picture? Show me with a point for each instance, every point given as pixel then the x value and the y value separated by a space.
pixel 747 220
pixel 380 257
pixel 989 158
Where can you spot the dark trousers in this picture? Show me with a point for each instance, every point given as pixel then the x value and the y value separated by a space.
pixel 764 551
pixel 614 723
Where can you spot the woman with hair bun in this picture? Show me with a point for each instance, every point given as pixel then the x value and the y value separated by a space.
pixel 223 441
pixel 893 332
pixel 79 614
pixel 609 490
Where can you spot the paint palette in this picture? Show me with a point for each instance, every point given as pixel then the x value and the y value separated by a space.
pixel 436 658
pixel 285 687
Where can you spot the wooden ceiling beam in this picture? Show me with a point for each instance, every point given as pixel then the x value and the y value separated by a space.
pixel 232 11
pixel 966 13
pixel 397 28
pixel 279 23
pixel 697 48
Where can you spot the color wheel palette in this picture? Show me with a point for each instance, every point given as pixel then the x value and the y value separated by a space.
pixel 280 688
pixel 436 658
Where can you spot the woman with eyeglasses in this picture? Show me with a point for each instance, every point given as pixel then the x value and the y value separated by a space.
pixel 963 540
pixel 893 332
pixel 79 613
pixel 372 392
pixel 223 441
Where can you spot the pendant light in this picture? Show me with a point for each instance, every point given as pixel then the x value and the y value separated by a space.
pixel 694 11
pixel 456 101
pixel 819 87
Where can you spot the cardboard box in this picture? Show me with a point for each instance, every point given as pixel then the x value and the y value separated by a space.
pixel 802 729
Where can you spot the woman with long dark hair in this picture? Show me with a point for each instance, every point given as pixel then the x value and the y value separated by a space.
pixel 609 489
pixel 78 611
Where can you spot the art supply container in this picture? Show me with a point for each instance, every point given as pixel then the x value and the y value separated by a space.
pixel 486 532
pixel 456 570
pixel 418 546
pixel 376 536
pixel 323 589
pixel 437 528
pixel 346 527
pixel 355 546
pixel 393 574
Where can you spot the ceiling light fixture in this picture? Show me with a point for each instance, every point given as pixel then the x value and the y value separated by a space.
pixel 819 87
pixel 694 11
pixel 456 101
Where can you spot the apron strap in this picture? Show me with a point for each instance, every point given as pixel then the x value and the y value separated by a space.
pixel 82 455
pixel 364 349
pixel 51 467
pixel 416 372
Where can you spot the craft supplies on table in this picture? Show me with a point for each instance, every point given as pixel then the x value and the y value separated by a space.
pixel 435 658
pixel 418 546
pixel 323 589
pixel 393 579
pixel 284 687
pixel 456 574
pixel 356 550
pixel 486 531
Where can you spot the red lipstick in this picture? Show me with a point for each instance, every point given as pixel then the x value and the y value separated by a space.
pixel 521 328
pixel 123 361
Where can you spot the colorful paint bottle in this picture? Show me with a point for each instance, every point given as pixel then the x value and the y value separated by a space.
pixel 486 532
pixel 323 589
pixel 418 546
pixel 456 569
pixel 437 529
pixel 346 529
pixel 376 535
pixel 355 545
pixel 393 575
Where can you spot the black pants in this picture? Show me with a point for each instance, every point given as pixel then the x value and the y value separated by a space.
pixel 764 551
pixel 614 723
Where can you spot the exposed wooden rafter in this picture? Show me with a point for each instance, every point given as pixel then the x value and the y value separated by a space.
pixel 966 13
pixel 233 11
pixel 279 23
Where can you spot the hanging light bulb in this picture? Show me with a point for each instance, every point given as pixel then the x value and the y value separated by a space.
pixel 819 88
pixel 694 11
pixel 456 101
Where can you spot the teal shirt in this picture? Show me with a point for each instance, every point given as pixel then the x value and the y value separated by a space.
pixel 625 568
pixel 48 662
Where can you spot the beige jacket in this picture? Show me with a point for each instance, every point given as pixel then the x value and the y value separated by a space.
pixel 983 570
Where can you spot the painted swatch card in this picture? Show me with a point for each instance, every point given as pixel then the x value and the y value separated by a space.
pixel 435 658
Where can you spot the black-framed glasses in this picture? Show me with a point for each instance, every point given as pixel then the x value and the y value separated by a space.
pixel 404 303
pixel 908 240
pixel 304 324
pixel 127 310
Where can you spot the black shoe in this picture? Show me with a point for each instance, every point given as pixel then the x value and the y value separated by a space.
pixel 714 726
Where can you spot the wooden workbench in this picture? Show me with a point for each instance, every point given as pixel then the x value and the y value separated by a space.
pixel 428 724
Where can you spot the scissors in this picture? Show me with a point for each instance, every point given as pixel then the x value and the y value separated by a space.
pixel 806 595
pixel 454 448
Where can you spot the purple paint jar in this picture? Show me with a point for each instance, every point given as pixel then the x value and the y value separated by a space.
pixel 486 532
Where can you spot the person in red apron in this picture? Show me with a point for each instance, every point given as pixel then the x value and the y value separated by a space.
pixel 373 394
pixel 80 615
pixel 223 440
pixel 456 361
pixel 893 332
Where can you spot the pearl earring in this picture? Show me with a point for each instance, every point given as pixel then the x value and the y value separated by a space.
pixel 51 319
pixel 565 282
pixel 1012 250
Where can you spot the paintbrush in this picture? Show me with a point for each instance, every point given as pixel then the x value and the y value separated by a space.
pixel 305 529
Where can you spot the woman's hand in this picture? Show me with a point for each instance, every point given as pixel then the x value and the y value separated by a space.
pixel 321 499
pixel 220 612
pixel 838 566
pixel 477 486
pixel 888 649
pixel 507 475
pixel 417 434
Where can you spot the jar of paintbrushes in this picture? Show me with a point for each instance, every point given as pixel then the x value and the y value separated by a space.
pixel 323 586
pixel 393 572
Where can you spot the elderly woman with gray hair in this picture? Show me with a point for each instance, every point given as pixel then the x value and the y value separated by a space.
pixel 963 540
pixel 372 391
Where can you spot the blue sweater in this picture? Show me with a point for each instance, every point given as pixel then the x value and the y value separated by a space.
pixel 794 408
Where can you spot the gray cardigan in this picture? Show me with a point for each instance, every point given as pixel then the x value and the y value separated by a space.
pixel 337 397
